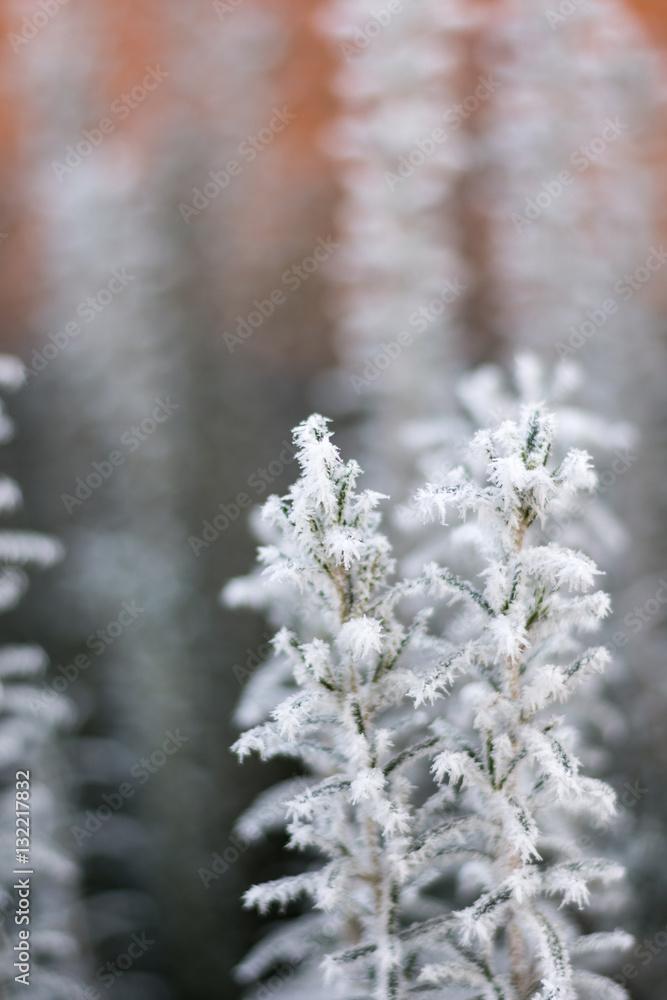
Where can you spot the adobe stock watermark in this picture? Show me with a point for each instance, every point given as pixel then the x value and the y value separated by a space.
pixel 130 440
pixel 645 952
pixel 109 973
pixel 277 981
pixel 253 659
pixel 641 615
pixel 625 289
pixel 565 9
pixel 370 29
pixel 224 7
pixel 142 770
pixel 582 159
pixel 97 642
pixel 624 459
pixel 258 482
pixel 419 321
pixel 247 151
pixel 87 310
pixel 292 279
pixel 31 25
pixel 427 146
pixel 265 816
pixel 119 110
pixel 220 863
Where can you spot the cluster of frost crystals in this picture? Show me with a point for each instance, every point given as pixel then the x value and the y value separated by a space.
pixel 335 693
pixel 512 761
pixel 28 744
pixel 485 396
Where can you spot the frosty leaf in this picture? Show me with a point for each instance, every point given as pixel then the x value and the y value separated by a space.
pixel 435 500
pixel 603 941
pixel 344 545
pixel 454 765
pixel 12 372
pixel 508 635
pixel 576 471
pixel 269 810
pixel 561 566
pixel 10 495
pixel 296 713
pixel 455 973
pixel 18 548
pixel 552 950
pixel 555 762
pixel 317 457
pixel 368 783
pixel 283 891
pixel 21 661
pixel 13 584
pixel 293 943
pixel 594 987
pixel 480 920
pixel 361 636
pixel 571 879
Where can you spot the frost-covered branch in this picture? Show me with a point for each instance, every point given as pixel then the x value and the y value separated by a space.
pixel 340 709
pixel 517 768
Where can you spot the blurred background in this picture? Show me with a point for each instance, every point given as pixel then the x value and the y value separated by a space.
pixel 216 217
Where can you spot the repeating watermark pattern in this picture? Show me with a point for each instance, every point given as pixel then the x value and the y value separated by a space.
pixel 370 29
pixel 98 642
pixel 419 320
pixel 259 481
pixel 645 952
pixel 581 158
pixel 292 279
pixel 87 310
pixel 625 288
pixel 624 459
pixel 640 616
pixel 109 973
pixel 427 146
pixel 277 981
pixel 119 111
pixel 33 24
pixel 141 770
pixel 220 863
pixel 271 813
pixel 253 659
pixel 131 440
pixel 247 151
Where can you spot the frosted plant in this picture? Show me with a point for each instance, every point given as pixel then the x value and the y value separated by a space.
pixel 335 691
pixel 28 727
pixel 521 787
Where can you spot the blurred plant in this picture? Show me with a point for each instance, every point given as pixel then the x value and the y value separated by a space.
pixel 400 152
pixel 30 781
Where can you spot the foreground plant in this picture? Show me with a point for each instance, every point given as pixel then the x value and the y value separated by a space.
pixel 344 695
pixel 520 782
pixel 346 655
